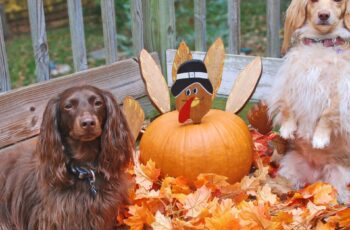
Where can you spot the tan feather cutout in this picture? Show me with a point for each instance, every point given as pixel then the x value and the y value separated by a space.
pixel 214 61
pixel 134 115
pixel 183 54
pixel 156 85
pixel 244 86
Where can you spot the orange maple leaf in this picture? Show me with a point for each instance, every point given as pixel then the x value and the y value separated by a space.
pixel 223 221
pixel 162 222
pixel 320 193
pixel 342 218
pixel 211 181
pixel 197 201
pixel 140 216
pixel 147 174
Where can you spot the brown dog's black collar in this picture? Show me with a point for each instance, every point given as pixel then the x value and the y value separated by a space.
pixel 82 173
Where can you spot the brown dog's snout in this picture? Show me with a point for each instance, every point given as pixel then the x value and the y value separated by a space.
pixel 324 15
pixel 87 122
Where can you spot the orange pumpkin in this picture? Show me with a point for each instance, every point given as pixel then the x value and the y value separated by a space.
pixel 220 144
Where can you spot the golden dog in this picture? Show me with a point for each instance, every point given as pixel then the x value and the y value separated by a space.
pixel 310 98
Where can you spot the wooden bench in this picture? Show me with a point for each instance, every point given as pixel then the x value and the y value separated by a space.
pixel 21 110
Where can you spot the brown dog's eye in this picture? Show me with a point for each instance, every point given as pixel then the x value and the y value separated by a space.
pixel 98 103
pixel 68 106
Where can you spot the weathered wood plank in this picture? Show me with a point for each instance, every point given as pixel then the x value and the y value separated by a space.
pixel 21 147
pixel 150 10
pixel 200 25
pixel 76 24
pixel 167 28
pixel 21 109
pixel 233 20
pixel 109 30
pixel 5 83
pixel 137 26
pixel 273 27
pixel 234 64
pixel 39 40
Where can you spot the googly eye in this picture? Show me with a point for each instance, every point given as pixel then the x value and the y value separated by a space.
pixel 188 92
pixel 195 90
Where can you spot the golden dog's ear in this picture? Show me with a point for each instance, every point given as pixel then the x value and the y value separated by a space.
pixel 295 18
pixel 347 15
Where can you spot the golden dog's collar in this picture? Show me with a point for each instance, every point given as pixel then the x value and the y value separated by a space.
pixel 329 42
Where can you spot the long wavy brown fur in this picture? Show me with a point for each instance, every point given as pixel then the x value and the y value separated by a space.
pixel 37 192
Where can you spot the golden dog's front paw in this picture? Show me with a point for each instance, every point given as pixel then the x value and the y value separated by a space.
pixel 321 139
pixel 288 128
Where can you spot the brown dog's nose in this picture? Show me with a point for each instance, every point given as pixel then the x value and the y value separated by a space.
pixel 87 122
pixel 323 15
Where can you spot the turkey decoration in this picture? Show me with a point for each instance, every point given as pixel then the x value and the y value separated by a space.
pixel 196 139
pixel 193 91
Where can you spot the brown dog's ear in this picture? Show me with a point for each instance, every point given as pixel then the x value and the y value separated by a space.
pixel 295 18
pixel 50 147
pixel 117 143
pixel 347 15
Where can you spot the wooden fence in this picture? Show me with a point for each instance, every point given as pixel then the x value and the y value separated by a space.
pixel 153 28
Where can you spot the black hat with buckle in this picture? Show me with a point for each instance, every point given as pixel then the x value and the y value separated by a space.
pixel 189 72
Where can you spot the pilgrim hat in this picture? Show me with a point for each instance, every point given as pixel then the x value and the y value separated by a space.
pixel 189 72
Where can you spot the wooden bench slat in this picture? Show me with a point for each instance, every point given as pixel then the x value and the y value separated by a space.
pixel 234 64
pixel 76 24
pixel 109 30
pixel 39 39
pixel 5 83
pixel 21 109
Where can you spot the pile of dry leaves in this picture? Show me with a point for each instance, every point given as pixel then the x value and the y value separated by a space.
pixel 260 201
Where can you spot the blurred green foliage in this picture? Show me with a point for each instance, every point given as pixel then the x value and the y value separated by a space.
pixel 253 33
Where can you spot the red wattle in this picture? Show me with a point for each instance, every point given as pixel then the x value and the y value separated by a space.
pixel 184 113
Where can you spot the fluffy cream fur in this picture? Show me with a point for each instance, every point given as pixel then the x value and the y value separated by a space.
pixel 310 99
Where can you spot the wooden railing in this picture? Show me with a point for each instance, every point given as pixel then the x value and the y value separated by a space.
pixel 153 28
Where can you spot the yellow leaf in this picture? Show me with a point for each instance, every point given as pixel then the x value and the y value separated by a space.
pixel 224 221
pixel 161 222
pixel 146 175
pixel 325 226
pixel 140 215
pixel 142 193
pixel 281 219
pixel 212 181
pixel 253 216
pixel 195 202
pixel 342 218
pixel 264 195
pixel 322 194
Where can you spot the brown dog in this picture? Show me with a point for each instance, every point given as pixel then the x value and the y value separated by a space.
pixel 75 178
